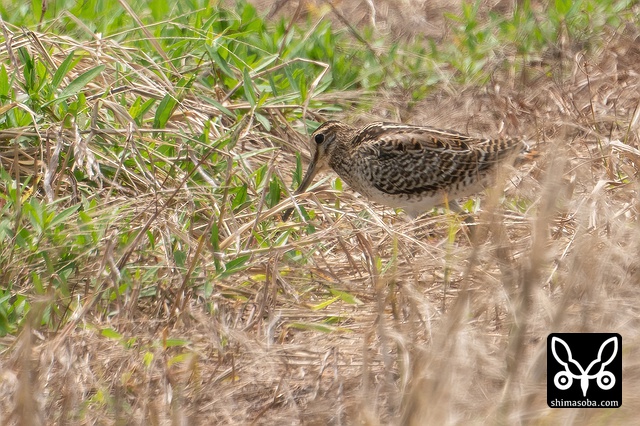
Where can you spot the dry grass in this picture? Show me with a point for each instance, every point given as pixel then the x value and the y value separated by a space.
pixel 446 328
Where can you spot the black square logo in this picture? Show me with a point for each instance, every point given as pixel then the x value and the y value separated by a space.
pixel 584 370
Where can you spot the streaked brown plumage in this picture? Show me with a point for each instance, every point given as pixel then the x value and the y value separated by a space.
pixel 411 167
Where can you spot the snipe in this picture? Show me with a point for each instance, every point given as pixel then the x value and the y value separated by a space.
pixel 412 167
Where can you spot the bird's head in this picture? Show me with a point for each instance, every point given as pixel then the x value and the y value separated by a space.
pixel 324 144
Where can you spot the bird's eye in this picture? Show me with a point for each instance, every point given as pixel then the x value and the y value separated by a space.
pixel 319 138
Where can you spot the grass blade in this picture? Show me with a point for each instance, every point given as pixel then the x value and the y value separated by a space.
pixel 63 70
pixel 249 90
pixel 80 82
pixel 164 111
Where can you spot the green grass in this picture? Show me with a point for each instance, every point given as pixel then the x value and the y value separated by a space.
pixel 146 154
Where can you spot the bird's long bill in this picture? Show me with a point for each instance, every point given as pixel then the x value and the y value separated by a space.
pixel 306 181
pixel 308 177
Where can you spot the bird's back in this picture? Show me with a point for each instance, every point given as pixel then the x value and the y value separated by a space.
pixel 397 164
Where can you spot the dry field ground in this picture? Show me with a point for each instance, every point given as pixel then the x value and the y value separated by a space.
pixel 386 321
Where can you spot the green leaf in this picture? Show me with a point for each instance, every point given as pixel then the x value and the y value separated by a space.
pixel 159 9
pixel 82 80
pixel 240 198
pixel 4 82
pixel 36 7
pixel 264 121
pixel 324 304
pixel 346 297
pixel 28 70
pixel 139 109
pixel 249 90
pixel 316 327
pixel 63 215
pixel 152 240
pixel 164 111
pixel 147 359
pixel 62 70
pixel 37 283
pixel 175 342
pixel 338 184
pixel 236 265
pixel 275 192
pixel 110 333
pixel 221 63
pixel 563 6
pixel 179 359
pixel 215 243
pixel 218 105
pixel 292 80
pixel 272 84
pixel 180 257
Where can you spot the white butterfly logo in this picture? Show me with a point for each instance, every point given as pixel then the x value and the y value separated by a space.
pixel 564 379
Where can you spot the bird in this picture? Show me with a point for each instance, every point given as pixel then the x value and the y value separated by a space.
pixel 412 167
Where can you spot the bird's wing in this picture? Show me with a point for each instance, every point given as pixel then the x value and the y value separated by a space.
pixel 414 160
